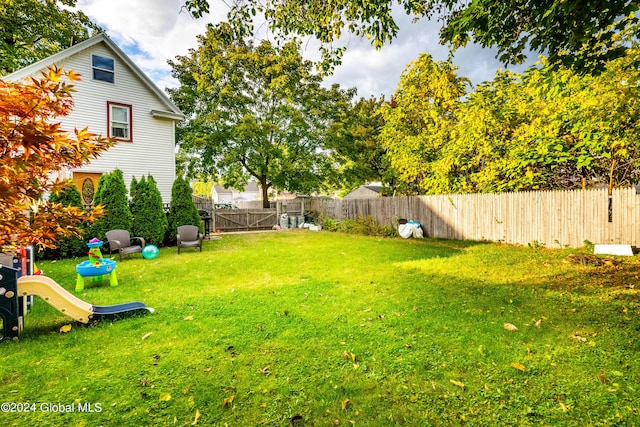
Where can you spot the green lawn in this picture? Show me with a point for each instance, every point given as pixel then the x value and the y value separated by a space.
pixel 321 329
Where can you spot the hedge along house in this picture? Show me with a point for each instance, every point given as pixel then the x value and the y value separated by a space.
pixel 115 98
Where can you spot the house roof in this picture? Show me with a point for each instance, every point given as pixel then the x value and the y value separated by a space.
pixel 251 186
pixel 171 112
pixel 373 187
pixel 221 190
pixel 364 191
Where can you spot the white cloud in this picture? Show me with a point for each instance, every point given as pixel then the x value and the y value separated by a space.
pixel 377 72
pixel 154 31
pixel 150 31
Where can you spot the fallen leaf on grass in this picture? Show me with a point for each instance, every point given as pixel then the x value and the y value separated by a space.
pixel 228 400
pixel 510 327
pixel 165 397
pixel 346 355
pixel 602 376
pixel 345 403
pixel 578 337
pixel 458 383
pixel 518 366
pixel 264 371
pixel 66 328
pixel 188 318
pixel 197 417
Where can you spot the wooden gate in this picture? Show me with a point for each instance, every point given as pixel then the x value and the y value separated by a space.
pixel 244 219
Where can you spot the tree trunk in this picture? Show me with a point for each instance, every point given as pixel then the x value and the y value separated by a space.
pixel 265 192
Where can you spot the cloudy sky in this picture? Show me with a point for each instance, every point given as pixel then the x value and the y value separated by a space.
pixel 154 31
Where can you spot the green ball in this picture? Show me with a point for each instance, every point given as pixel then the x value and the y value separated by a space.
pixel 150 251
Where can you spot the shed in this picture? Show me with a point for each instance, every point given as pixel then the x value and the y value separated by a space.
pixel 365 192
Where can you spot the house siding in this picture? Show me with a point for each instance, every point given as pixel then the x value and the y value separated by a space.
pixel 152 149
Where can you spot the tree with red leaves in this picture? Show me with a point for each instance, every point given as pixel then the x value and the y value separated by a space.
pixel 32 148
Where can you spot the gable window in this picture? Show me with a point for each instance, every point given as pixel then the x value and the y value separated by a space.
pixel 119 118
pixel 103 68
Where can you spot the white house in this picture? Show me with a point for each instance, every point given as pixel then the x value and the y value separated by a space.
pixel 250 193
pixel 115 98
pixel 219 194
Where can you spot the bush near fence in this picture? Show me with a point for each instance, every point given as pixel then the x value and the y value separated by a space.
pixel 544 218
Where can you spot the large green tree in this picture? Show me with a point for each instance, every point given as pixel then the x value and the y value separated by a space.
pixel 419 123
pixel 254 111
pixel 358 155
pixel 545 129
pixel 580 33
pixel 31 30
pixel 479 153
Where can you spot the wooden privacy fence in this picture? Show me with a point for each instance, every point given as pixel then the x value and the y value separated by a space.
pixel 244 219
pixel 255 218
pixel 550 218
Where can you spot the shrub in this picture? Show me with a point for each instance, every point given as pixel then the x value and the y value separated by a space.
pixel 183 210
pixel 330 224
pixel 132 190
pixel 71 246
pixel 149 219
pixel 112 195
pixel 367 226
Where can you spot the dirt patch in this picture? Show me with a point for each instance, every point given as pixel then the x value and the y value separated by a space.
pixel 591 260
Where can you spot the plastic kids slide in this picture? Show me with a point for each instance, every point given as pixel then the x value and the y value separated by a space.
pixel 70 305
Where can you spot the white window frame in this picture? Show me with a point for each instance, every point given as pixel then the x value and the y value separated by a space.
pixel 112 124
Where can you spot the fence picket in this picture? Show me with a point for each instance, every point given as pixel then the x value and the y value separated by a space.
pixel 550 218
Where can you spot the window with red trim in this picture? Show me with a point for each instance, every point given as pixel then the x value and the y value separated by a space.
pixel 119 121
